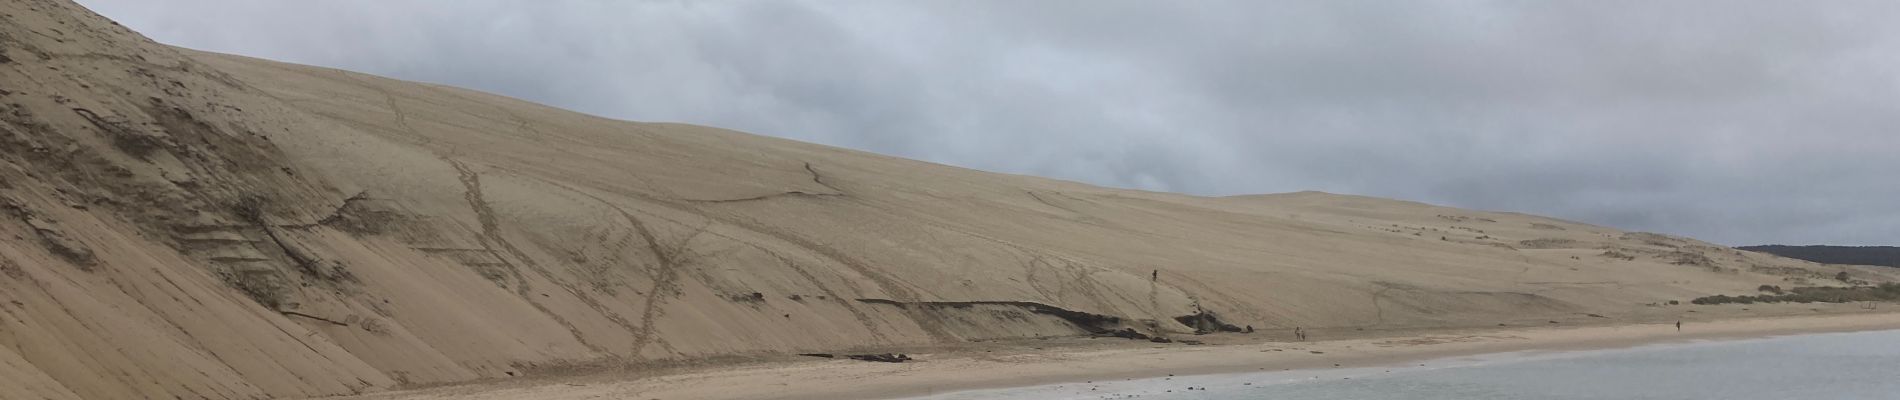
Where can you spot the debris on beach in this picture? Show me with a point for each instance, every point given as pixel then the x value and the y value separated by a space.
pixel 886 357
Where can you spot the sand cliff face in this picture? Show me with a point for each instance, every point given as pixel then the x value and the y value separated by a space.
pixel 190 224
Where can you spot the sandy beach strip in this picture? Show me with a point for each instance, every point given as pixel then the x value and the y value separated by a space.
pixel 959 371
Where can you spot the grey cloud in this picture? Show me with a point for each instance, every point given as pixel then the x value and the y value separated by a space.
pixel 1738 122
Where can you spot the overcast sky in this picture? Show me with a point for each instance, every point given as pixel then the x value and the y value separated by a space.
pixel 1739 122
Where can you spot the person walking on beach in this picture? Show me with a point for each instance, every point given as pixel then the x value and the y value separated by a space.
pixel 1155 276
pixel 1678 325
pixel 1298 334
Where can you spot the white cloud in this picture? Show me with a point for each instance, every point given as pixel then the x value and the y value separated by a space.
pixel 1740 122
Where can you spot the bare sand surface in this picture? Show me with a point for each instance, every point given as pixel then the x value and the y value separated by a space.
pixel 966 370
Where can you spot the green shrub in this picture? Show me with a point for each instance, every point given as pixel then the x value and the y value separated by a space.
pixel 1812 294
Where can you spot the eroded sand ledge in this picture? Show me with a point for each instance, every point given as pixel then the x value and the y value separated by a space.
pixel 971 370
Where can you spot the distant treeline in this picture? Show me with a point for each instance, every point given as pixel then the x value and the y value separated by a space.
pixel 1886 256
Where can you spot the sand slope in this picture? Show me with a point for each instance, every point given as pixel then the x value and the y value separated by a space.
pixel 191 224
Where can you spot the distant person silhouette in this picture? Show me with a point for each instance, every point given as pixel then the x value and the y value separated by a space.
pixel 1678 325
pixel 1155 276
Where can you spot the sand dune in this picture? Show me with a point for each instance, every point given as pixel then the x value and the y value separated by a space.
pixel 194 224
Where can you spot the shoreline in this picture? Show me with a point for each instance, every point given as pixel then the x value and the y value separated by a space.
pixel 947 372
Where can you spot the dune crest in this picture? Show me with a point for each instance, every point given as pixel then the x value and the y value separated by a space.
pixel 203 225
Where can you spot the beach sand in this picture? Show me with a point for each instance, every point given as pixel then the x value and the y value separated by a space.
pixel 1062 363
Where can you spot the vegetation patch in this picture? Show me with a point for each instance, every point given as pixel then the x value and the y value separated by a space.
pixel 754 297
pixel 1688 258
pixel 1813 294
pixel 1654 239
pixel 1548 243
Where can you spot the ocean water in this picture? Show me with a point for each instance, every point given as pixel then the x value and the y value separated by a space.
pixel 1864 365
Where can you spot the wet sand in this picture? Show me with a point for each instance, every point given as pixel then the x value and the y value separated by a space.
pixel 971 370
